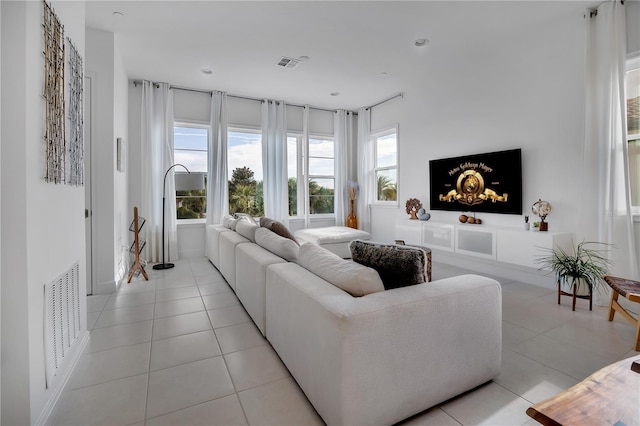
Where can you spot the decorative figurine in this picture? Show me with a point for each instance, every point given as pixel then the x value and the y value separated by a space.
pixel 412 206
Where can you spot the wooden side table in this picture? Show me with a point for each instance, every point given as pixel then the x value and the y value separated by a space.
pixel 427 252
pixel 609 396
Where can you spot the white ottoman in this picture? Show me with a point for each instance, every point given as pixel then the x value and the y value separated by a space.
pixel 336 239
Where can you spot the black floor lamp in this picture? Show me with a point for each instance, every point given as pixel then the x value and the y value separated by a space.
pixel 183 182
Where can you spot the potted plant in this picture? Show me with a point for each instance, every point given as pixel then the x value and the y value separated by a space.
pixel 581 271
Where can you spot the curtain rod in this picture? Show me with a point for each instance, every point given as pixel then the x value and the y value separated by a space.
pixel 398 95
pixel 593 11
pixel 249 98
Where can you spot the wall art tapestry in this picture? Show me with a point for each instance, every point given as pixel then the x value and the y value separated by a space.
pixel 54 133
pixel 76 117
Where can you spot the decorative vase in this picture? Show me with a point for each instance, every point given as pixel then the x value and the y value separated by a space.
pixel 413 215
pixel 352 219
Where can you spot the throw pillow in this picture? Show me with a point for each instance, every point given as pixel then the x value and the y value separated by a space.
pixel 226 221
pixel 245 216
pixel 278 228
pixel 398 266
pixel 280 246
pixel 247 229
pixel 355 279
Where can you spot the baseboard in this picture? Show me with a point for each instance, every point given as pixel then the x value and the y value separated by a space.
pixel 63 374
pixel 106 287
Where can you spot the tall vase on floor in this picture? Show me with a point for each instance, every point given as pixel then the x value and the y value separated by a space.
pixel 353 189
pixel 352 219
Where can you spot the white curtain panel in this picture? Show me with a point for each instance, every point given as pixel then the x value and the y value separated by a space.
pixel 605 169
pixel 366 164
pixel 217 179
pixel 157 157
pixel 274 160
pixel 341 122
pixel 304 186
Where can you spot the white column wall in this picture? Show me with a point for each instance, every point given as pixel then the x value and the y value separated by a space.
pixel 111 214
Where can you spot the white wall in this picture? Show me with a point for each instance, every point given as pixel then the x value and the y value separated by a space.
pixel 527 92
pixel 42 223
pixel 110 189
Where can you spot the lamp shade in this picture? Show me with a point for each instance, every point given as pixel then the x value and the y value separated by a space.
pixel 189 181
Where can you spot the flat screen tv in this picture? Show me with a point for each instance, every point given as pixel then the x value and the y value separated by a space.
pixel 490 183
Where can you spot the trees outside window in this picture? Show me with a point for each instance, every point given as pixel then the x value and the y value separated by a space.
pixel 244 158
pixel 386 165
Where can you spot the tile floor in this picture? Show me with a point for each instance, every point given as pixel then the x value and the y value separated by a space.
pixel 179 349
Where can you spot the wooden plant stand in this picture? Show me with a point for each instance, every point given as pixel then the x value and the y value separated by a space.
pixel 575 296
pixel 138 245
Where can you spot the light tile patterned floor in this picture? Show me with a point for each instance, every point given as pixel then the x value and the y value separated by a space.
pixel 180 350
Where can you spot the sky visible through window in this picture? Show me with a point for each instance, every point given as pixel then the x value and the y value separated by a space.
pixel 386 151
pixel 244 149
pixel 190 148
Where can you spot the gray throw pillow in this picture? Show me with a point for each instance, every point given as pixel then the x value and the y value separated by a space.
pixel 278 228
pixel 398 266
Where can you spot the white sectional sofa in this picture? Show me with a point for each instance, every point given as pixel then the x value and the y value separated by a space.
pixel 375 359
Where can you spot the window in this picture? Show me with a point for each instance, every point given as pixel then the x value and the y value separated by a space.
pixel 190 150
pixel 319 174
pixel 633 128
pixel 386 164
pixel 244 162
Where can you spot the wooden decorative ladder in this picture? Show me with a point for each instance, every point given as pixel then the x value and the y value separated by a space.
pixel 137 246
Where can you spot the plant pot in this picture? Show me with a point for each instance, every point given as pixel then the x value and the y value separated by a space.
pixel 582 288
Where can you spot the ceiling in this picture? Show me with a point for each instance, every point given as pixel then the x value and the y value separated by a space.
pixel 363 50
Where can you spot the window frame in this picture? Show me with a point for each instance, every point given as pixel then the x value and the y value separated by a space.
pixel 301 204
pixel 375 135
pixel 319 136
pixel 302 174
pixel 633 63
pixel 193 124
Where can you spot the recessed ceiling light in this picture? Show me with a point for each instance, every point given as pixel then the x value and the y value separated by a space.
pixel 206 71
pixel 421 42
pixel 118 14
pixel 335 93
pixel 303 58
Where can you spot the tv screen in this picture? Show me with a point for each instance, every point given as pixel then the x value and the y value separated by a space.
pixel 490 182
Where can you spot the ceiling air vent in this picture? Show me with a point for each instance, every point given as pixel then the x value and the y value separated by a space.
pixel 288 62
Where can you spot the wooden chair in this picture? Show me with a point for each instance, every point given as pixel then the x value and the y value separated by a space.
pixel 630 290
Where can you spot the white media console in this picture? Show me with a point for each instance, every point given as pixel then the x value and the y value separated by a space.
pixel 509 245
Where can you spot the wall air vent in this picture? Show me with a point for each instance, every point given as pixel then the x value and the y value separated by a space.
pixel 285 62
